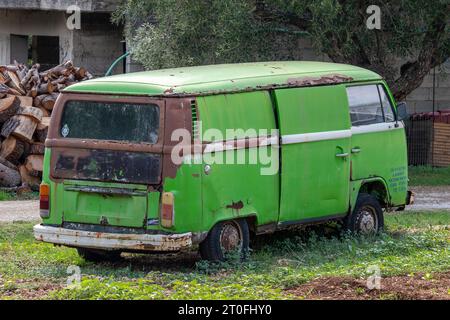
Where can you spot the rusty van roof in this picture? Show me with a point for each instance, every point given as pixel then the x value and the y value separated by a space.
pixel 214 79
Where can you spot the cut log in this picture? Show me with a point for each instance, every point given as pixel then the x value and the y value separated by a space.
pixel 37 148
pixel 34 165
pixel 12 149
pixel 9 126
pixel 45 112
pixel 48 101
pixel 44 88
pixel 14 83
pixel 42 129
pixel 8 108
pixel 24 100
pixel 28 179
pixel 32 112
pixel 7 90
pixel 25 129
pixel 9 177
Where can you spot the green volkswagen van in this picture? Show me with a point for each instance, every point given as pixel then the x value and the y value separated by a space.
pixel 164 160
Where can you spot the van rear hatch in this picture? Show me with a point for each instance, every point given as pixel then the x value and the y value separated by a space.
pixel 107 153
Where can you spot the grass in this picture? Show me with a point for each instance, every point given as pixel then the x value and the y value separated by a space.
pixel 429 176
pixel 11 195
pixel 410 245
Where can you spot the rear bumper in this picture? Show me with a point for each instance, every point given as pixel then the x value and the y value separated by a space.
pixel 112 241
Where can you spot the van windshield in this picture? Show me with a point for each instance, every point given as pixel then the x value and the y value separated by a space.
pixel 114 121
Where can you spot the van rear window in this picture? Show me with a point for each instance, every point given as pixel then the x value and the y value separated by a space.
pixel 110 121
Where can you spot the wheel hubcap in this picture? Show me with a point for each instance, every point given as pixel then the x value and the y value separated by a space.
pixel 230 237
pixel 367 222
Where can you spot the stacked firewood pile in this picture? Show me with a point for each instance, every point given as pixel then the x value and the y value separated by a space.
pixel 27 97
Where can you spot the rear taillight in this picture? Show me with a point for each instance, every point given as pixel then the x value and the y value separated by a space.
pixel 44 200
pixel 167 210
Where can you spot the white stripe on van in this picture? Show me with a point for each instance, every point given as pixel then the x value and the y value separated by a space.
pixel 315 136
pixel 262 141
pixel 377 127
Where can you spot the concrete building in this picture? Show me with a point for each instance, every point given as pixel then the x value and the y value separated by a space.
pixel 38 31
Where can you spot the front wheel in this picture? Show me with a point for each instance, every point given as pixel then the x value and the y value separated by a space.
pixel 225 238
pixel 94 255
pixel 367 216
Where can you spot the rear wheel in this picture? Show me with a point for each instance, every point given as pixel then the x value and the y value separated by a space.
pixel 367 216
pixel 94 255
pixel 224 239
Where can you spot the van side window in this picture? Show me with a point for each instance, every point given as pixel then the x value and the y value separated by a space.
pixel 387 106
pixel 365 105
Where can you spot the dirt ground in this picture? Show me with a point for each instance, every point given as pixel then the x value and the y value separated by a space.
pixel 417 287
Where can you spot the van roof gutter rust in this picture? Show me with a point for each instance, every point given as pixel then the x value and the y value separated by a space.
pixel 232 78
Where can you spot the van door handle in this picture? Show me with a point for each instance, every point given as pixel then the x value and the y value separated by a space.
pixel 342 155
pixel 356 150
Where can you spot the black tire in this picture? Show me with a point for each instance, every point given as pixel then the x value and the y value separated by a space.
pixel 94 255
pixel 367 216
pixel 216 246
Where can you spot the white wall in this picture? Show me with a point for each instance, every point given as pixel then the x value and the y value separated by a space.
pixel 40 23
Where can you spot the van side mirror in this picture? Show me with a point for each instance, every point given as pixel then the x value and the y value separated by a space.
pixel 402 113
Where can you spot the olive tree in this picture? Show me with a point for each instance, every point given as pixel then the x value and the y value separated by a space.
pixel 413 36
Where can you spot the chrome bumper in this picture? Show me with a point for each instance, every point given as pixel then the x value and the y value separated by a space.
pixel 112 241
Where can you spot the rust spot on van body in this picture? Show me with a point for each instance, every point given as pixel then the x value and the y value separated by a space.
pixel 236 205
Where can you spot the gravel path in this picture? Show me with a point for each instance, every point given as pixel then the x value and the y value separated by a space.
pixel 431 198
pixel 26 210
pixel 427 199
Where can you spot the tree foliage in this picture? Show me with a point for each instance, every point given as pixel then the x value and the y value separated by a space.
pixel 414 35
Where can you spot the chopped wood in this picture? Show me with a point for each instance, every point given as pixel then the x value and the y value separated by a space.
pixel 32 112
pixel 8 108
pixel 27 99
pixel 24 100
pixel 42 129
pixel 9 177
pixel 9 126
pixel 37 148
pixel 45 112
pixel 14 83
pixel 28 179
pixel 25 129
pixel 34 165
pixel 12 149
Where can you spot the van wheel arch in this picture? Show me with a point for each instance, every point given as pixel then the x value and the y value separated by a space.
pixel 378 190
